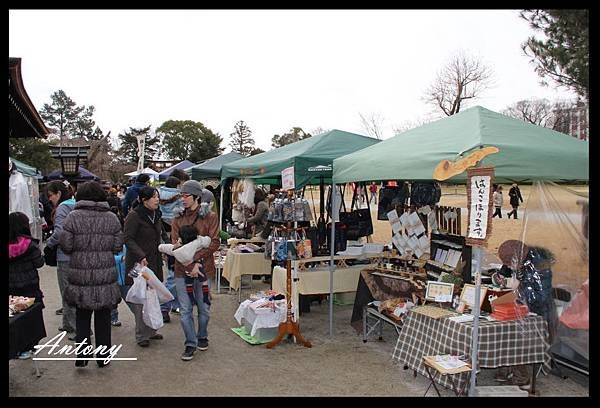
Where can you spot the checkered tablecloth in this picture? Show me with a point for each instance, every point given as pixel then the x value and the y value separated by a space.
pixel 501 343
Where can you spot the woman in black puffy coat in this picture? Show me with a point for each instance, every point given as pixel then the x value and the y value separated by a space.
pixel 92 235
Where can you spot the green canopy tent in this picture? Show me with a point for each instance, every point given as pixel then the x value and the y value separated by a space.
pixel 211 168
pixel 527 152
pixel 311 159
pixel 26 169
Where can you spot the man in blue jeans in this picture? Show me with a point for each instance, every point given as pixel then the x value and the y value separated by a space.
pixel 197 204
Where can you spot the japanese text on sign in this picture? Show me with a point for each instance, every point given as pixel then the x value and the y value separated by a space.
pixel 480 197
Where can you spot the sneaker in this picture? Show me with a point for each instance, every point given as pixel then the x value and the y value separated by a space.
pixel 25 355
pixel 58 311
pixel 166 317
pixel 188 354
pixel 157 336
pixel 202 344
pixel 144 343
pixel 115 323
pixel 176 311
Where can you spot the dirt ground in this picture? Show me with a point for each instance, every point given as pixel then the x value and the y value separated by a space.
pixel 341 365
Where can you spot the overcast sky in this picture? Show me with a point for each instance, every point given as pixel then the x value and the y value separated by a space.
pixel 274 69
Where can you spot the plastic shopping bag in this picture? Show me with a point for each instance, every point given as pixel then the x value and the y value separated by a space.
pixel 164 295
pixel 137 292
pixel 151 313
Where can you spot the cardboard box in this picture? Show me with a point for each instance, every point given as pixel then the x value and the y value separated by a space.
pixel 509 297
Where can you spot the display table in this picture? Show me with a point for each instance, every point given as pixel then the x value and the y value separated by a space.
pixel 238 264
pixel 25 330
pixel 262 323
pixel 501 343
pixel 312 281
pixel 377 287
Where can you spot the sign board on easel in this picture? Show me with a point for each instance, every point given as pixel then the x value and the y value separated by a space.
pixel 287 179
pixel 479 204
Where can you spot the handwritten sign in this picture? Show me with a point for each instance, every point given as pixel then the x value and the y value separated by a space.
pixel 287 179
pixel 479 202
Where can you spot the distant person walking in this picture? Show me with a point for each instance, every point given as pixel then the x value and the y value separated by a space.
pixel 498 201
pixel 373 191
pixel 515 195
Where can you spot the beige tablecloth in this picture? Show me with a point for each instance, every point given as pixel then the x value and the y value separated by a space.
pixel 238 264
pixel 317 281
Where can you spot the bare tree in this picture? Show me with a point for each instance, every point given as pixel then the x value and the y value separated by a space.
pixel 410 124
pixel 541 112
pixel 372 124
pixel 463 78
pixel 318 130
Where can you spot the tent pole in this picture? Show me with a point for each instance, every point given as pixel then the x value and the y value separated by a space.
pixel 221 207
pixel 476 309
pixel 331 261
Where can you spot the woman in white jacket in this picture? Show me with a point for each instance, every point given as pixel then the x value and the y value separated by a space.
pixel 498 201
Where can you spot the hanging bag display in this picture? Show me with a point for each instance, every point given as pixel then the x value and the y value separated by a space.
pixel 358 221
pixel 389 198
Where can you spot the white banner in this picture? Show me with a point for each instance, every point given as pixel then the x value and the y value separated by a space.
pixel 480 204
pixel 287 179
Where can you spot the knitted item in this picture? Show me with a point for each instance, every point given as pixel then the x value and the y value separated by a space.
pixel 189 288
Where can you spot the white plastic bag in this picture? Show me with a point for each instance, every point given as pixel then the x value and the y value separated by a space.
pixel 164 295
pixel 151 313
pixel 137 292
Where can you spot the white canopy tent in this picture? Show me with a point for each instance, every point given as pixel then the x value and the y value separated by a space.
pixel 152 173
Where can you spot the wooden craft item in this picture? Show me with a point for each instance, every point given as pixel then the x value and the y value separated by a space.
pixel 446 169
pixel 289 326
pixel 435 312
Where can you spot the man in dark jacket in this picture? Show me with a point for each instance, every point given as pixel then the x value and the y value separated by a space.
pixel 515 195
pixel 132 193
pixel 197 203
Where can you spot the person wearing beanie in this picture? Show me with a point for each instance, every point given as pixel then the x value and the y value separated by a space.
pixel 197 204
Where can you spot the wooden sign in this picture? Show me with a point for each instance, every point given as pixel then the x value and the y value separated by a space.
pixel 446 169
pixel 479 205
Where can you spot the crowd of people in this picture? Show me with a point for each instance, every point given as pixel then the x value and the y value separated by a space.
pixel 89 227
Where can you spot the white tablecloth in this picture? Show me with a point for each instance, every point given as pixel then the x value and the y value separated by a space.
pixel 261 317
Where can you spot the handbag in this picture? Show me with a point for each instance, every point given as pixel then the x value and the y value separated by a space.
pixel 50 255
pixel 340 237
pixel 389 198
pixel 358 221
